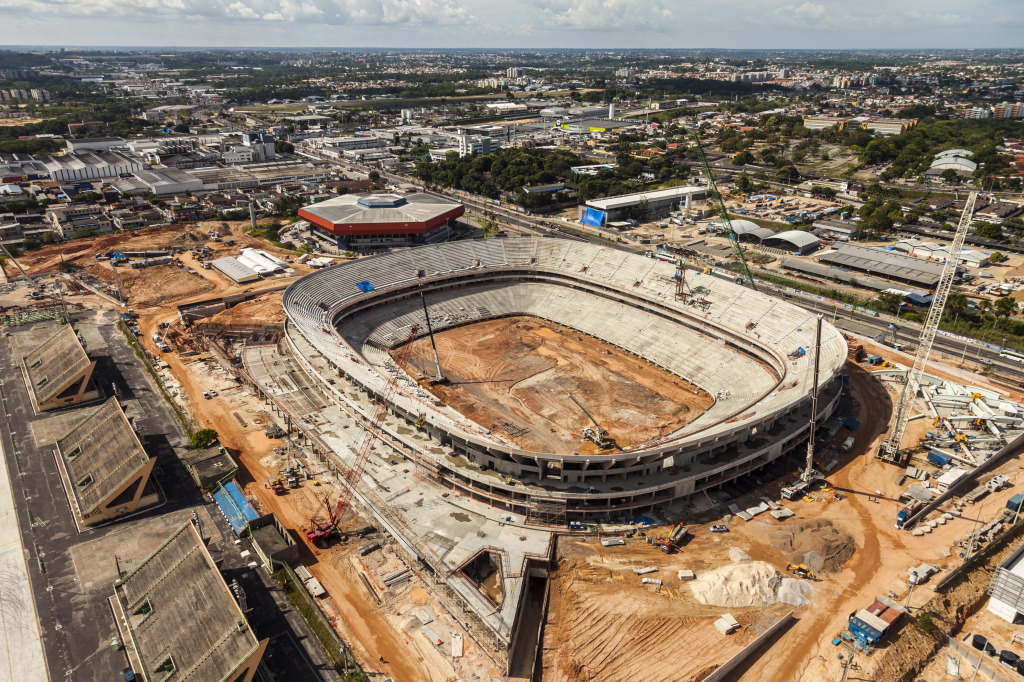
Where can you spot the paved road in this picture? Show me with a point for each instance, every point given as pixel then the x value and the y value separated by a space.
pixel 21 657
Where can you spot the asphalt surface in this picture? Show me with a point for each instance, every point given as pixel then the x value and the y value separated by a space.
pixel 79 635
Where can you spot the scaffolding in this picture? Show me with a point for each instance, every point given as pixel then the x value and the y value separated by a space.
pixel 549 512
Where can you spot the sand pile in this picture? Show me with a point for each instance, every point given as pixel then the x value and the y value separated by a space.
pixel 794 592
pixel 742 584
pixel 834 545
pixel 738 555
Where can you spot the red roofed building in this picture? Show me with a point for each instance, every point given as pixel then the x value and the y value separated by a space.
pixel 378 221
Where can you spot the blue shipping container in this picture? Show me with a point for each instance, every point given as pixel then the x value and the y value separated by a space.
pixel 938 458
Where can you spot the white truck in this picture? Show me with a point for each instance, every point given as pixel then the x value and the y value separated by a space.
pixel 847 444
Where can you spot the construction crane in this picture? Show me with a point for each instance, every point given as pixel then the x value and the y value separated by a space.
pixel 715 197
pixel 374 428
pixel 320 533
pixel 439 376
pixel 890 450
pixel 31 282
pixel 597 435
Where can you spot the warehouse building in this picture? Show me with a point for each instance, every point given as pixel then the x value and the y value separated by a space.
pixel 58 371
pixel 235 270
pixel 104 468
pixel 825 273
pixel 178 619
pixel 647 204
pixel 887 264
pixel 98 165
pixel 375 221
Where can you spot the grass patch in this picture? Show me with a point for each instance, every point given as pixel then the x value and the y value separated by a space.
pixel 322 630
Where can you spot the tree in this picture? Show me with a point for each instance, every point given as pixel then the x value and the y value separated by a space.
pixel 957 303
pixel 950 176
pixel 743 158
pixel 374 176
pixel 202 438
pixel 988 231
pixel 889 302
pixel 996 257
pixel 743 182
pixel 1005 306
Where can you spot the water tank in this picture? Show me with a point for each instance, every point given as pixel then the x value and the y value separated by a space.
pixel 979 642
pixel 611 111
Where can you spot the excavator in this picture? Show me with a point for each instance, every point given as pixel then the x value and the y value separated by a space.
pixel 801 571
pixel 596 435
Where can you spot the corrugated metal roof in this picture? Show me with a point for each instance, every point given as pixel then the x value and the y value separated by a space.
pixel 235 269
pixel 890 264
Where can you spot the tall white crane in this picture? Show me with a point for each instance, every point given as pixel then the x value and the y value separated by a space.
pixel 890 450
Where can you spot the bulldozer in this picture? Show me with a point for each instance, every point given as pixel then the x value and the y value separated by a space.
pixel 801 571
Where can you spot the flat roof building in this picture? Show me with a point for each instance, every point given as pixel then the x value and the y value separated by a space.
pixel 235 270
pixel 885 263
pixel 179 620
pixel 382 220
pixel 650 203
pixel 104 468
pixel 59 372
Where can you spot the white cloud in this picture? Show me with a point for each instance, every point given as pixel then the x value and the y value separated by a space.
pixel 601 15
pixel 359 12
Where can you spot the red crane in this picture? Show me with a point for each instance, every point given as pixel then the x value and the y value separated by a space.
pixel 373 429
pixel 320 534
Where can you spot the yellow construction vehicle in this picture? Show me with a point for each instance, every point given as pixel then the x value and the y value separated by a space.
pixel 420 420
pixel 800 570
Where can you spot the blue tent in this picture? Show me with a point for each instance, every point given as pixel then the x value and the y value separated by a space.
pixel 365 286
pixel 593 217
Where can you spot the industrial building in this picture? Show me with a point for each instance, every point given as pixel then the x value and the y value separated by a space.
pixel 104 468
pixel 938 252
pixel 235 270
pixel 885 263
pixel 795 241
pixel 179 620
pixel 649 204
pixel 376 221
pixel 826 273
pixel 1007 587
pixel 58 371
pixel 89 165
pixel 841 230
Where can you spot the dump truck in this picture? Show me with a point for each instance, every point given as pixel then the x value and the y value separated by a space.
pixel 907 511
pixel 277 485
pixel 675 538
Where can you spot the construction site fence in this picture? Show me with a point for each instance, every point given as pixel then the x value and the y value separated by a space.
pixel 748 650
pixel 335 648
pixel 953 578
pixel 990 668
pixel 1014 448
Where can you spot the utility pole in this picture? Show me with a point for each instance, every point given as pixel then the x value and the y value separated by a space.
pixel 814 403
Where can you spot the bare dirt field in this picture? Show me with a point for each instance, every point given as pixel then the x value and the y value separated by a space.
pixel 264 310
pixel 514 376
pixel 79 251
pixel 604 625
pixel 158 284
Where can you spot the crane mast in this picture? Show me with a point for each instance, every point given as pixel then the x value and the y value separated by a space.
pixel 890 450
pixel 716 198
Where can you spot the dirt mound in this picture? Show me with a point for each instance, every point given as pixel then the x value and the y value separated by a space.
pixel 190 237
pixel 743 584
pixel 834 545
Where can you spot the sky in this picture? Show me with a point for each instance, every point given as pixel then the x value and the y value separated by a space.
pixel 751 24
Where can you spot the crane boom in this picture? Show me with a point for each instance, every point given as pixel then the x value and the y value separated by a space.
pixel 716 198
pixel 376 425
pixel 891 447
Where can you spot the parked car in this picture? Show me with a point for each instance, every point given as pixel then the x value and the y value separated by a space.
pixel 206 395
pixel 719 528
pixel 213 393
